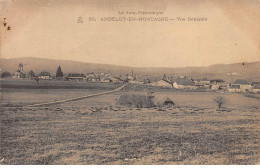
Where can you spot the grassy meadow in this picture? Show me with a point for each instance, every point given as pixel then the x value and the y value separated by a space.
pixel 96 131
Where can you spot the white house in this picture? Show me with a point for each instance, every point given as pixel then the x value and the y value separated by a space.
pixel 162 83
pixel 244 85
pixel 184 84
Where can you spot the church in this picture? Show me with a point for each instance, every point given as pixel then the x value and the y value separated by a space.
pixel 19 74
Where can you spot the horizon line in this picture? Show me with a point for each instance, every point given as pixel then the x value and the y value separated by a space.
pixel 128 65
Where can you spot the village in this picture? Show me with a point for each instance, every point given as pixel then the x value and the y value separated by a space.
pixel 178 83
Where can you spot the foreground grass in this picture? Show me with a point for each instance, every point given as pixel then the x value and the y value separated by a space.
pixel 71 134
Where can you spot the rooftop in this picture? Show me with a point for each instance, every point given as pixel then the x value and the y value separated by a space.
pixel 44 73
pixel 241 82
pixel 76 75
pixel 184 81
pixel 234 87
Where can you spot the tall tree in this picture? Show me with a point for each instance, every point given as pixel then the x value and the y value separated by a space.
pixel 164 77
pixel 59 73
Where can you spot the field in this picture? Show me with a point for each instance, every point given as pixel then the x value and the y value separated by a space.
pixel 96 131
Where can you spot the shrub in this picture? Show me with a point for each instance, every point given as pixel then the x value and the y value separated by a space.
pixel 220 100
pixel 135 100
pixel 5 74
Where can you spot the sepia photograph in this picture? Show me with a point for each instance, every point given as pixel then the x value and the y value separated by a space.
pixel 130 82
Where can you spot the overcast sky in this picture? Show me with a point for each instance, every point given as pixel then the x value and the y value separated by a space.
pixel 49 29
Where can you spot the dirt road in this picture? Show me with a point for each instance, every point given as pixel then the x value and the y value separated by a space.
pixel 77 98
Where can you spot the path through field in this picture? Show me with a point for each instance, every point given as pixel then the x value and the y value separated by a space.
pixel 77 98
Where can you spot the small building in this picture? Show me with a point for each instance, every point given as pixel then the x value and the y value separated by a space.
pixel 245 86
pixel 184 83
pixel 234 89
pixel 256 89
pixel 44 75
pixel 76 76
pixel 162 83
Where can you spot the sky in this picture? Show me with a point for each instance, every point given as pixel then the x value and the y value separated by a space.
pixel 49 29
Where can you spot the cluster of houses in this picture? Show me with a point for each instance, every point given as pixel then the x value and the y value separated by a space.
pixel 181 82
pixel 242 85
pixel 90 77
pixel 239 85
pixel 186 83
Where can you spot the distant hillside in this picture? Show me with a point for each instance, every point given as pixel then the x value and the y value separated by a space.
pixel 225 71
pixel 40 64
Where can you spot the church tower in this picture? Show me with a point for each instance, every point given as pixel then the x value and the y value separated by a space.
pixel 20 68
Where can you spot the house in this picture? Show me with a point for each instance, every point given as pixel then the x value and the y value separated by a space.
pixel 19 74
pixel 255 83
pixel 44 75
pixel 245 86
pixel 214 86
pixel 76 76
pixel 184 83
pixel 162 83
pixel 204 81
pixel 93 78
pixel 91 74
pixel 256 89
pixel 234 88
pixel 105 80
pixel 117 80
pixel 105 74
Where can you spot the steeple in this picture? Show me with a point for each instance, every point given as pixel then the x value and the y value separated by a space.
pixel 20 68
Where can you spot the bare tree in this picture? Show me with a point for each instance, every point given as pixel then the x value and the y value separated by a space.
pixel 220 100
